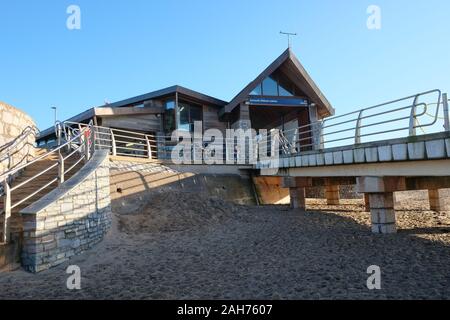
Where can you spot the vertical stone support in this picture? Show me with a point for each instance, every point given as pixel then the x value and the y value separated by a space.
pixel 382 213
pixel 332 195
pixel 297 190
pixel 298 198
pixel 380 191
pixel 438 201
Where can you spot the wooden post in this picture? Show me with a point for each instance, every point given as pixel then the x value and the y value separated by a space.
pixel 6 237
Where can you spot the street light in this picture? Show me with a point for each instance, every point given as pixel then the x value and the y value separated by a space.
pixel 56 110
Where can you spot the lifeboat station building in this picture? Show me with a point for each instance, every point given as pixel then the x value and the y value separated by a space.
pixel 282 97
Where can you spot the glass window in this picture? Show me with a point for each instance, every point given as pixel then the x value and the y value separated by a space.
pixel 187 115
pixel 285 92
pixel 169 116
pixel 257 91
pixel 183 116
pixel 196 113
pixel 285 86
pixel 270 87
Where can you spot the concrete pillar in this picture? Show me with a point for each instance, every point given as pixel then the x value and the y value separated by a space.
pixel 298 198
pixel 382 213
pixel 438 201
pixel 297 190
pixel 380 191
pixel 366 202
pixel 332 195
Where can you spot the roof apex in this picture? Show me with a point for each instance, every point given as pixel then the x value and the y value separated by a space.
pixel 288 55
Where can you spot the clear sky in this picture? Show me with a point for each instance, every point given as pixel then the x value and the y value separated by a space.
pixel 127 48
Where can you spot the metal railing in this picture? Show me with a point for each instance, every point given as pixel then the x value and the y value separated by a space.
pixel 379 122
pixel 82 145
pixel 17 145
pixel 119 142
pixel 410 116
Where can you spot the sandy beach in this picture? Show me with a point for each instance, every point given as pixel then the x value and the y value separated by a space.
pixel 217 250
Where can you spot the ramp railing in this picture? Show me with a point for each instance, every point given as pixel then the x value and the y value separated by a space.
pixel 83 145
pixel 10 149
pixel 410 116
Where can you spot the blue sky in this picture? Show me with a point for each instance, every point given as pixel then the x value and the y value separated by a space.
pixel 127 48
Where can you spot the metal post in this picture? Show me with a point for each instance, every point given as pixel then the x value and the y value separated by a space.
pixel 58 133
pixel 6 237
pixel 113 143
pixel 446 113
pixel 413 118
pixel 92 138
pixel 149 147
pixel 358 128
pixel 69 138
pixel 87 149
pixel 60 168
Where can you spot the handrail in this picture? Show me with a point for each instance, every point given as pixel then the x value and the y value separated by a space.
pixel 361 115
pixel 350 127
pixel 41 156
pixel 6 149
pixel 86 142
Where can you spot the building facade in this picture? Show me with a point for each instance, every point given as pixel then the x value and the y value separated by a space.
pixel 282 97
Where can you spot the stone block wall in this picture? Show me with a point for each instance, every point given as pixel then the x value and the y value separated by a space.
pixel 134 179
pixel 69 220
pixel 12 123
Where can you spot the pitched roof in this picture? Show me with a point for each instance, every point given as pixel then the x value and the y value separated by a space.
pixel 289 63
pixel 91 112
pixel 164 92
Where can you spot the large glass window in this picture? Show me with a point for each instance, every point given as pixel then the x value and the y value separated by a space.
pixel 169 116
pixel 285 86
pixel 257 91
pixel 270 87
pixel 188 113
pixel 275 85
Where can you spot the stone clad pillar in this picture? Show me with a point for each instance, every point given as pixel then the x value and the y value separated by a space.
pixel 297 190
pixel 298 198
pixel 380 192
pixel 332 195
pixel 438 200
pixel 382 212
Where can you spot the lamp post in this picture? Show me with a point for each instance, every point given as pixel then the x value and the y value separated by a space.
pixel 56 113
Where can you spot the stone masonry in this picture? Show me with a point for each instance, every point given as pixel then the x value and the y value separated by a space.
pixel 12 123
pixel 69 220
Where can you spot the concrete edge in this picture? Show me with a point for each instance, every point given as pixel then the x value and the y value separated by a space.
pixel 92 165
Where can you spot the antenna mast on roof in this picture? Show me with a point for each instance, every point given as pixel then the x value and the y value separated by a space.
pixel 288 34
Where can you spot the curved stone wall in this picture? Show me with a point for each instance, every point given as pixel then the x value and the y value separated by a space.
pixel 12 123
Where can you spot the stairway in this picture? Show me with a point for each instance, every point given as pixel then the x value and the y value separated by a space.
pixel 34 185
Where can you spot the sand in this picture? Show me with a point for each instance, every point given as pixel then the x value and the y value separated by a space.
pixel 193 250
